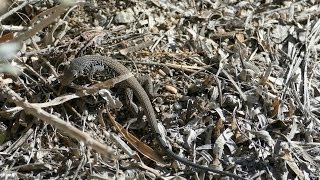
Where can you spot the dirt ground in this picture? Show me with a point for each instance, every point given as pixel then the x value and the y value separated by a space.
pixel 234 85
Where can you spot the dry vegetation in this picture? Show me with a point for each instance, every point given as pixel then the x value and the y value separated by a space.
pixel 237 87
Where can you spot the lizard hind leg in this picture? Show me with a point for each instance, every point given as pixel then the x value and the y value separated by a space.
pixel 135 109
pixel 146 82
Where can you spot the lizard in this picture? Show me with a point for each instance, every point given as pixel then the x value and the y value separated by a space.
pixel 90 64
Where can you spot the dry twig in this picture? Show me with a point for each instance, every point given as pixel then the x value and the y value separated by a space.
pixel 58 123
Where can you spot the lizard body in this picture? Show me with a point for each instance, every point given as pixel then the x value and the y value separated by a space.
pixel 90 64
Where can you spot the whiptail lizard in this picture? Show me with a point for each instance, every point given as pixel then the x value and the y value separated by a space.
pixel 90 64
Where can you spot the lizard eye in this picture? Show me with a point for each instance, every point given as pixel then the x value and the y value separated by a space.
pixel 74 74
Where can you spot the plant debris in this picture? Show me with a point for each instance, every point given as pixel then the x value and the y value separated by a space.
pixel 235 87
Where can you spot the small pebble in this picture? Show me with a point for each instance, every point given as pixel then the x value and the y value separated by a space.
pixel 171 89
pixel 162 73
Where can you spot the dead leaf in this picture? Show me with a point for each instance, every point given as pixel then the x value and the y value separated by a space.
pixel 6 37
pixel 265 136
pixel 136 143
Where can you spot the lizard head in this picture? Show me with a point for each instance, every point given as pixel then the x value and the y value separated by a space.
pixel 68 76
